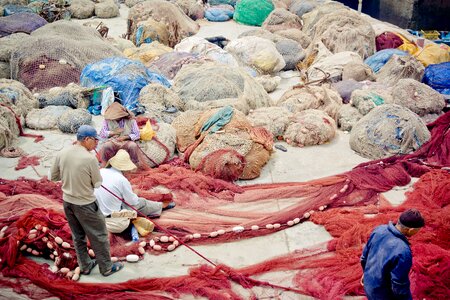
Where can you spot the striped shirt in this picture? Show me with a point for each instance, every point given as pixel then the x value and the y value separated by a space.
pixel 134 135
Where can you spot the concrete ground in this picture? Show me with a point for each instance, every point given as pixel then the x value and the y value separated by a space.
pixel 297 164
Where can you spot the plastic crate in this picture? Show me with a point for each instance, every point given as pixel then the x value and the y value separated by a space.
pixel 431 34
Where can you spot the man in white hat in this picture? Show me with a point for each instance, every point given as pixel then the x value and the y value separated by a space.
pixel 116 185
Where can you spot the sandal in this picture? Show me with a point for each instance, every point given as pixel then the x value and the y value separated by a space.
pixel 92 265
pixel 170 205
pixel 116 267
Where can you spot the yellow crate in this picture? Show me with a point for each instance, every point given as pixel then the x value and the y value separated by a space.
pixel 430 34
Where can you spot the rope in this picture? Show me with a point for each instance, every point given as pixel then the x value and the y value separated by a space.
pixel 233 275
pixel 21 133
pixel 11 152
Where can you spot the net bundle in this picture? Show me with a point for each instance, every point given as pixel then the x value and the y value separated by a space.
pixel 56 53
pixel 169 64
pixel 340 203
pixel 399 67
pixel 281 19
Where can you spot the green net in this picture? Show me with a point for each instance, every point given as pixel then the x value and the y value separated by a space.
pixel 252 12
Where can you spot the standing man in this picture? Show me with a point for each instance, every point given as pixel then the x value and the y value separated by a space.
pixel 78 170
pixel 386 259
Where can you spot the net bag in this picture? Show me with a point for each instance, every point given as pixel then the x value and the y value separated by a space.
pixel 252 12
pixel 45 118
pixel 20 22
pixel 281 19
pixel 72 119
pixel 399 67
pixel 347 116
pixel 168 64
pixel 161 148
pixel 388 130
pixel 273 119
pixel 18 95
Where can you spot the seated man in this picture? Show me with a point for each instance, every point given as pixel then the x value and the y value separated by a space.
pixel 121 132
pixel 115 184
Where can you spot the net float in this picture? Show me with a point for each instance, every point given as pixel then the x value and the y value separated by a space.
pixel 31 236
pixel 33 231
pixel 221 231
pixel 38 226
pixel 176 243
pixel 23 247
pixel 238 229
pixel 189 237
pixel 276 225
pixel 344 188
pixel 296 220
pixel 52 256
pixel 45 239
pixel 141 250
pixel 29 250
pixel 35 252
pixel 151 243
pixel 114 259
pixel 42 67
pixel 213 234
pixel 171 247
pixel 91 253
pixel 269 226
pixel 44 229
pixel 77 270
pixel 196 235
pixel 171 239
pixel 311 212
pixel 75 277
pixel 55 253
pixel 306 215
pixel 65 245
pixel 4 228
pixel 290 223
pixel 49 245
pixel 58 240
pixel 321 208
pixel 69 274
pixel 255 227
pixel 64 270
pixel 54 269
pixel 333 197
pixel 132 258
pixel 157 247
pixel 164 239
pixel 142 244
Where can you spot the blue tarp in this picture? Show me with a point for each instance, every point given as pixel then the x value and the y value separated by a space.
pixel 380 58
pixel 438 77
pixel 11 9
pixel 220 13
pixel 126 77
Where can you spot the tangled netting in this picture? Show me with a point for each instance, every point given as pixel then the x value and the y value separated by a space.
pixel 170 63
pixel 20 22
pixel 280 19
pixel 18 95
pixel 399 67
pixel 178 24
pixel 387 130
pixel 55 54
pixel 72 119
pixel 338 202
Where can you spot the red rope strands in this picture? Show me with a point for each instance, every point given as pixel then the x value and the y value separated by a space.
pixel 37 137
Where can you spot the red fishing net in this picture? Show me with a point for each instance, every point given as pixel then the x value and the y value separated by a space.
pixel 209 210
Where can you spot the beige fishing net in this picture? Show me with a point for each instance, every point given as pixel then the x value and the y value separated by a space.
pixel 347 116
pixel 55 54
pixel 18 95
pixel 367 99
pixel 151 29
pixel 161 148
pixel 9 129
pixel 418 97
pixel 310 127
pixel 72 119
pixel 311 97
pixel 72 95
pixel 357 71
pixel 281 19
pixel 388 130
pixel 269 83
pixel 399 67
pixel 178 24
pixel 146 53
pixel 274 119
pixel 183 125
pixel 45 118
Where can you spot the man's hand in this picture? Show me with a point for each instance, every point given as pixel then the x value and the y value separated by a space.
pixel 123 138
pixel 117 131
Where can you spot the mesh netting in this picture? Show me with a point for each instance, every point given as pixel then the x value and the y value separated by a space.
pixel 193 82
pixel 347 116
pixel 20 22
pixel 162 147
pixel 297 35
pixel 82 9
pixel 178 24
pixel 310 127
pixel 311 97
pixel 169 64
pixel 18 95
pixel 45 118
pixel 146 53
pixel 331 66
pixel 149 31
pixel 71 120
pixel 357 71
pixel 72 95
pixel 55 54
pixel 183 125
pixel 268 82
pixel 9 130
pixel 107 9
pixel 367 99
pixel 338 202
pixel 274 119
pixel 418 97
pixel 399 67
pixel 192 8
pixel 388 130
pixel 311 18
pixel 281 19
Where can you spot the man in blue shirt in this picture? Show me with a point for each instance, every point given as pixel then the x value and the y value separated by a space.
pixel 386 259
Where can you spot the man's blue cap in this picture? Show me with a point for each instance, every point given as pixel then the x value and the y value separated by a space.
pixel 86 131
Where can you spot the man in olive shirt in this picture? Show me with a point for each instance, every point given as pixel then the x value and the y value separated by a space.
pixel 78 170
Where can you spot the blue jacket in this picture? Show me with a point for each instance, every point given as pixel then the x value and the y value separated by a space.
pixel 386 262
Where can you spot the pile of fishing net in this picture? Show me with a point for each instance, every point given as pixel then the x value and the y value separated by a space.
pixel 55 54
pixel 268 82
pixel 281 19
pixel 20 22
pixel 45 118
pixel 301 7
pixel 170 63
pixel 297 35
pixel 9 129
pixel 18 95
pixel 311 18
pixel 340 203
pixel 161 147
pixel 146 53
pixel 311 97
pixel 232 86
pixel 219 13
pixel 148 31
pixel 418 97
pixel 107 9
pixel 192 8
pixel 7 45
pixel 357 71
pixel 70 120
pixel 206 50
pixel 161 103
pixel 290 50
pixel 399 67
pixel 82 9
pixel 177 23
pixel 274 119
pixel 387 130
pixel 252 12
pixel 222 143
pixel 368 98
pixel 310 127
pixel 72 95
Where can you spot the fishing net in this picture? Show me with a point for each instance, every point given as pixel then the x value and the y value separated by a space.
pixel 18 95
pixel 179 26
pixel 347 116
pixel 55 54
pixel 388 130
pixel 20 22
pixel 258 53
pixel 5 71
pixel 161 148
pixel 367 99
pixel 345 88
pixel 183 125
pixel 357 71
pixel 9 130
pixel 345 30
pixel 331 67
pixel 149 31
pixel 268 82
pixel 418 97
pixel 72 119
pixel 168 64
pixel 82 9
pixel 281 19
pixel 273 119
pixel 193 83
pixel 399 67
pixel 192 8
pixel 106 9
pixel 340 203
pixel 311 18
pixel 310 127
pixel 301 7
pixel 161 103
pixel 146 53
pixel 296 35
pixel 72 95
pixel 45 118
pixel 252 12
pixel 311 97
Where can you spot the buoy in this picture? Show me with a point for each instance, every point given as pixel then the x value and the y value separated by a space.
pixel 151 243
pixel 171 239
pixel 58 240
pixel 290 223
pixel 176 243
pixel 38 226
pixel 333 197
pixel 157 247
pixel 77 270
pixel 52 256
pixel 49 245
pixel 23 247
pixel 311 212
pixel 55 253
pixel 238 229
pixel 42 67
pixel 141 250
pixel 76 277
pixel 296 220
pixel 164 239
pixel 114 259
pixel 29 250
pixel 91 253
pixel 196 235
pixel 63 61
pixel 64 270
pixel 44 229
pixel 213 234
pixel 33 231
pixel 132 258
pixel 31 236
pixel 67 255
pixel 276 225
pixel 45 239
pixel 65 245
pixel 4 229
pixel 35 252
pixel 255 227
pixel 54 269
pixel 189 237
pixel 69 274
pixel 306 215
pixel 142 244
pixel 344 188
pixel 269 226
pixel 321 208
pixel 220 232
pixel 171 247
